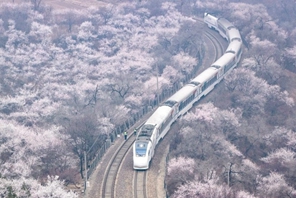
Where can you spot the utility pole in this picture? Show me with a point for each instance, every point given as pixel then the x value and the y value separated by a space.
pixel 157 91
pixel 85 173
pixel 157 88
pixel 229 174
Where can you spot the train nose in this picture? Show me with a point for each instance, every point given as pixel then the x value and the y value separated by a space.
pixel 141 163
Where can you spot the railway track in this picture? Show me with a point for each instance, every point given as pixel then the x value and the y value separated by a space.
pixel 218 50
pixel 140 178
pixel 108 189
pixel 117 174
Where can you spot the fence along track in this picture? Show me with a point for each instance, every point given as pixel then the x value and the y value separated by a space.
pixel 140 178
pixel 108 190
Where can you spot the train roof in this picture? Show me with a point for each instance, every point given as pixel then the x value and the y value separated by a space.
pixel 183 93
pixel 205 75
pixel 146 132
pixel 234 46
pixel 225 23
pixel 223 60
pixel 159 115
pixel 155 119
pixel 234 34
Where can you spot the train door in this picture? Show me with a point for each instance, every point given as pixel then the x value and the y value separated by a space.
pixel 158 135
pixel 196 92
pixel 220 72
pixel 157 132
pixel 175 110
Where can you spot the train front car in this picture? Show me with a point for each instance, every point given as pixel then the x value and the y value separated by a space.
pixel 149 135
pixel 142 147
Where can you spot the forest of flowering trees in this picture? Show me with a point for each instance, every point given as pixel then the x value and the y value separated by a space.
pixel 239 142
pixel 70 76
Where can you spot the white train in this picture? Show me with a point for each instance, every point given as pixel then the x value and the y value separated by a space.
pixel 158 124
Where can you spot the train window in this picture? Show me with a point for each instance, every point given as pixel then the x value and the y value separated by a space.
pixel 209 82
pixel 187 101
pixel 229 65
pixel 141 152
pixel 222 29
pixel 216 66
pixel 181 106
pixel 230 51
pixel 141 148
pixel 212 80
pixel 194 83
pixel 230 27
pixel 203 87
pixel 146 130
pixel 169 103
pixel 239 52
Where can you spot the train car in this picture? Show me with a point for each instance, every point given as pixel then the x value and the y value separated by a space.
pixel 233 34
pixel 235 47
pixel 211 21
pixel 149 135
pixel 223 27
pixel 208 79
pixel 184 98
pixel 226 63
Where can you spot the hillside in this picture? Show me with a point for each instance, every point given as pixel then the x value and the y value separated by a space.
pixel 69 77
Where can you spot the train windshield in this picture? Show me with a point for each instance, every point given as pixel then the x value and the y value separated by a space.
pixel 141 148
pixel 169 103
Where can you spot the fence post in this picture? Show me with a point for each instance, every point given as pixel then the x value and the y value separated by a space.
pixel 107 144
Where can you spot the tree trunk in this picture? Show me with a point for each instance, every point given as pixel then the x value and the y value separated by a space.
pixel 81 166
pixel 229 175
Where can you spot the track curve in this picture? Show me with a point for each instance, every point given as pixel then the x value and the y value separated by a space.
pixel 216 48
